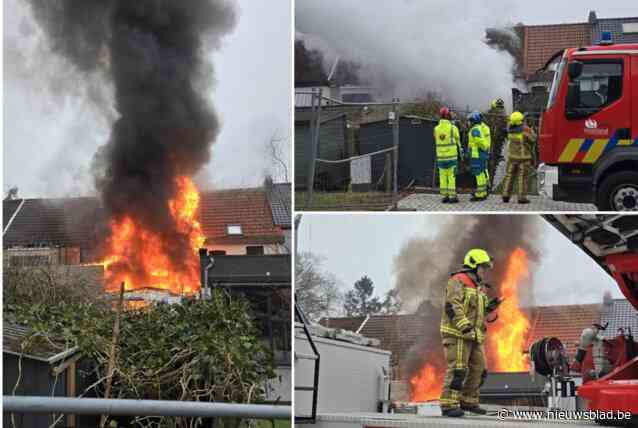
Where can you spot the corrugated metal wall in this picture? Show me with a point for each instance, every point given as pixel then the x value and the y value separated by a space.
pixel 332 146
pixel 416 149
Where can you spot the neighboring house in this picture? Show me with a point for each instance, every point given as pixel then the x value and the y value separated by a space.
pixel 623 30
pixel 280 198
pixel 66 231
pixel 541 43
pixel 241 221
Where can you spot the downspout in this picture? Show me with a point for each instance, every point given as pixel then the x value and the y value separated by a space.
pixel 15 214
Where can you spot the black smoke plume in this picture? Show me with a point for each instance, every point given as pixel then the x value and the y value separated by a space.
pixel 153 52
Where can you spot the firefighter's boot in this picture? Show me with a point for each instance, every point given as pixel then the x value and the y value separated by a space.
pixel 452 413
pixel 477 410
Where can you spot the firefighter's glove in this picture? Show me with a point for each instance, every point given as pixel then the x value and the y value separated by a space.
pixel 468 333
pixel 493 304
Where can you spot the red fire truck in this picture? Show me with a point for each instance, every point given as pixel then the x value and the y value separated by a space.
pixel 589 130
pixel 610 373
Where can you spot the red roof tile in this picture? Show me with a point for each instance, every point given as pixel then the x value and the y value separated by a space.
pixel 564 322
pixel 541 42
pixel 246 207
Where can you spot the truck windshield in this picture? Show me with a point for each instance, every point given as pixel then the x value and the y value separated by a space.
pixel 556 82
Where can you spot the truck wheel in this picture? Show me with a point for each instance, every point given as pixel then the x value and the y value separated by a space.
pixel 618 192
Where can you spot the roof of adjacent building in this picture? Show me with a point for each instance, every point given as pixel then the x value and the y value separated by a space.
pixel 251 269
pixel 566 322
pixel 9 207
pixel 68 222
pixel 280 199
pixel 619 314
pixel 398 333
pixel 248 208
pixel 76 222
pixel 541 42
pixel 615 27
pixel 18 340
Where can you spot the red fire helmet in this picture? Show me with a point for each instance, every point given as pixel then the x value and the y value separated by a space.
pixel 444 113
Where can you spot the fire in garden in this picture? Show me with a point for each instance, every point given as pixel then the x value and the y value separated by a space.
pixel 152 54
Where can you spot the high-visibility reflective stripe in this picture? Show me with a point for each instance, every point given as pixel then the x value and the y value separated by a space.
pixel 571 149
pixel 595 151
pixel 459 353
pixel 589 151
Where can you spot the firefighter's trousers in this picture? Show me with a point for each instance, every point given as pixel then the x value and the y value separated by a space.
pixel 481 184
pixel 464 374
pixel 447 180
pixel 517 169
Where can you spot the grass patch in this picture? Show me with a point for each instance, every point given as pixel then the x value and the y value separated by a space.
pixel 343 200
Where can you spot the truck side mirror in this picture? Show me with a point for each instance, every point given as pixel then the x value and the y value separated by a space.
pixel 574 69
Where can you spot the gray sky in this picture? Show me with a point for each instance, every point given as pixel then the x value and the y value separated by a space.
pixel 356 245
pixel 51 131
pixel 555 12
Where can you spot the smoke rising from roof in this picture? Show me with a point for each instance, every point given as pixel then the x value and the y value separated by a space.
pixel 152 53
pixel 411 47
pixel 423 265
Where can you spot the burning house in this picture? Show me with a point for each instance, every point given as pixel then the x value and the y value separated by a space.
pixel 63 233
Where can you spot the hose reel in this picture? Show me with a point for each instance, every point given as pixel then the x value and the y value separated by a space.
pixel 548 357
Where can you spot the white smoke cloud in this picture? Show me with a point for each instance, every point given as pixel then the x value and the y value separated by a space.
pixel 409 47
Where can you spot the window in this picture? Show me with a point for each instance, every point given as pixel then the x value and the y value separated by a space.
pixel 255 250
pixel 233 229
pixel 630 27
pixel 28 260
pixel 218 253
pixel 599 85
pixel 556 83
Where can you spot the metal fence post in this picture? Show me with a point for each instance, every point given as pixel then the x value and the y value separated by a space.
pixel 314 135
pixel 395 138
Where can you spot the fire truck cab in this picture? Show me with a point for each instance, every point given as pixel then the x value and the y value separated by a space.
pixel 589 129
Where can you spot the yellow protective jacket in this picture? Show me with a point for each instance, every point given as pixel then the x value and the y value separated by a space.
pixel 487 134
pixel 448 141
pixel 479 141
pixel 465 308
pixel 521 143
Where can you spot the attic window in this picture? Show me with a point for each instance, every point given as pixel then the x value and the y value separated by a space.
pixel 233 229
pixel 630 27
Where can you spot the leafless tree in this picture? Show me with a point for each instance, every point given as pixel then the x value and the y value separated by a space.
pixel 317 291
pixel 278 155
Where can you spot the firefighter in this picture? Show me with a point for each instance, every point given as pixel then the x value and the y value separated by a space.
pixel 463 333
pixel 520 151
pixel 497 123
pixel 448 148
pixel 479 148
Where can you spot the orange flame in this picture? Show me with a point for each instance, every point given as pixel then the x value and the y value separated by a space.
pixel 507 336
pixel 427 384
pixel 136 256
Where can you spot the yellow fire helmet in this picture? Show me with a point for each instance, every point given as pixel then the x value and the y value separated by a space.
pixel 476 257
pixel 516 118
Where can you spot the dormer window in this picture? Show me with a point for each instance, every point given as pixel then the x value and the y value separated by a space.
pixel 233 230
